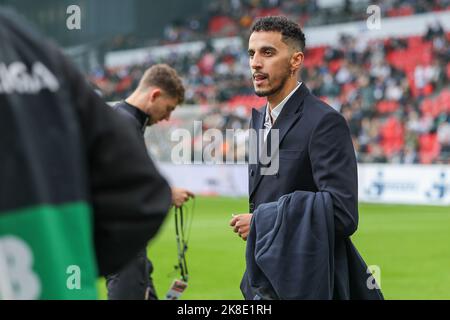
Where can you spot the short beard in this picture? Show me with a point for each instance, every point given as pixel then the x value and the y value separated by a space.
pixel 272 91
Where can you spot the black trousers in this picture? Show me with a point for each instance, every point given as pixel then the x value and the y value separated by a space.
pixel 134 281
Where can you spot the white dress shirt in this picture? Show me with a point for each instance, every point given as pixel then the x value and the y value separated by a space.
pixel 276 112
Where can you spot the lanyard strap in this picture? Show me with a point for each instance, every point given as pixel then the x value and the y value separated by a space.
pixel 181 243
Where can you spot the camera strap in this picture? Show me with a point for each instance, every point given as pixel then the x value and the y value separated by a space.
pixel 181 243
pixel 181 221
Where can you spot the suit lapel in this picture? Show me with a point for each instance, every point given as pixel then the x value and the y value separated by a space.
pixel 258 118
pixel 256 124
pixel 291 113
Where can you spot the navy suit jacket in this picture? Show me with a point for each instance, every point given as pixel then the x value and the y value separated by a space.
pixel 293 254
pixel 315 154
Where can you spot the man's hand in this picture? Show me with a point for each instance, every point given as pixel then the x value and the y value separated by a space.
pixel 180 196
pixel 241 224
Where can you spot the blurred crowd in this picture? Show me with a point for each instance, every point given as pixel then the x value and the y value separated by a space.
pixel 225 18
pixel 394 93
pixel 232 17
pixel 212 76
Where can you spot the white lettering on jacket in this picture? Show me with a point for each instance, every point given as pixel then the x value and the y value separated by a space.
pixel 16 78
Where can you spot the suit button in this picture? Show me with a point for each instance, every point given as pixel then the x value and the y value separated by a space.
pixel 252 206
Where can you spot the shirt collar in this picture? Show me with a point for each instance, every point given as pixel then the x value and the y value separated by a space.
pixel 138 114
pixel 277 110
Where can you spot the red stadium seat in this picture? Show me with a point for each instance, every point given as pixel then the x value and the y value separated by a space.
pixel 124 84
pixel 429 148
pixel 392 134
pixel 334 65
pixel 418 52
pixel 400 12
pixel 443 101
pixel 314 57
pixel 415 42
pixel 398 58
pixel 428 89
pixel 218 24
pixel 434 107
pixel 347 89
pixel 386 106
pixel 426 107
pixel 427 56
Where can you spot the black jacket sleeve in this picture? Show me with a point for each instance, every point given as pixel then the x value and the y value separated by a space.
pixel 334 167
pixel 129 197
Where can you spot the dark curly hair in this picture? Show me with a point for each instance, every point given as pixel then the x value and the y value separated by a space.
pixel 291 31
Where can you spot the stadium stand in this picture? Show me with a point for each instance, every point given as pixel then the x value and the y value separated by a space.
pixel 224 18
pixel 394 92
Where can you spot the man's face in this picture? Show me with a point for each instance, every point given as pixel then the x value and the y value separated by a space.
pixel 269 62
pixel 160 107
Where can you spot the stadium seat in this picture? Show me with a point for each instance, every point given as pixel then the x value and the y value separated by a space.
pixel 392 134
pixel 427 56
pixel 397 58
pixel 428 89
pixel 218 24
pixel 415 42
pixel 334 65
pixel 314 56
pixel 443 101
pixel 387 106
pixel 124 84
pixel 400 12
pixel 429 148
pixel 347 89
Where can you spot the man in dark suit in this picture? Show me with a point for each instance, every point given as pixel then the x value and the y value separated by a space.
pixel 314 150
pixel 157 95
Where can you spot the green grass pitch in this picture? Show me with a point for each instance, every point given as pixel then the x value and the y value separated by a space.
pixel 410 244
